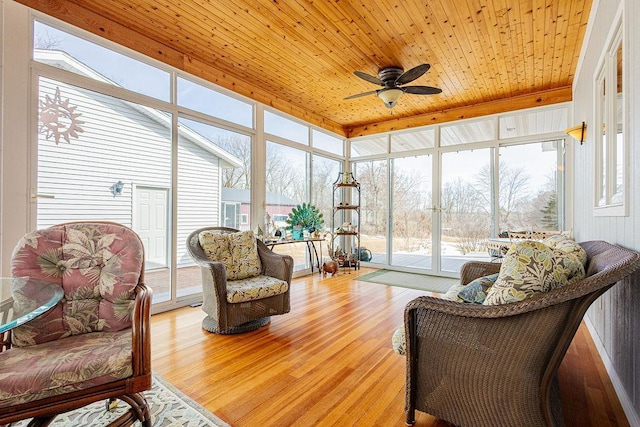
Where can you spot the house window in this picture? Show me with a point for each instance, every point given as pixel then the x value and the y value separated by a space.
pixel 610 142
pixel 244 219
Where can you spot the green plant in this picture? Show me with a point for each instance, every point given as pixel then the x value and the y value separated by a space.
pixel 306 215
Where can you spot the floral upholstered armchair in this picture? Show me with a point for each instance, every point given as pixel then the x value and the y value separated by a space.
pixel 244 282
pixel 94 344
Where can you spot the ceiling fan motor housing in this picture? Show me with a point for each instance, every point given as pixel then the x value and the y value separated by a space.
pixel 389 75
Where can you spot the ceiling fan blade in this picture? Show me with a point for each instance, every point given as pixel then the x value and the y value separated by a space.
pixel 412 74
pixel 369 78
pixel 421 90
pixel 362 94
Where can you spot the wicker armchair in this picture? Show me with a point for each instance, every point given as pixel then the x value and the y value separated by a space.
pixel 476 365
pixel 224 316
pixel 95 343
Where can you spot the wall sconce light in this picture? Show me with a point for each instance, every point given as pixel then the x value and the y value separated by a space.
pixel 116 188
pixel 578 132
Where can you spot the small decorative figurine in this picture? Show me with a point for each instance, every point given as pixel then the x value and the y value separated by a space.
pixel 329 267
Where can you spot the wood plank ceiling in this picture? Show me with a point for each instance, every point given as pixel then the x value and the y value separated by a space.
pixel 298 56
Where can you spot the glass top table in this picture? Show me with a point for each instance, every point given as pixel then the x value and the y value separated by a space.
pixel 23 299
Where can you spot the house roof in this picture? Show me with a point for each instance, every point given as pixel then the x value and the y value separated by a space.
pixel 244 196
pixel 63 60
pixel 299 56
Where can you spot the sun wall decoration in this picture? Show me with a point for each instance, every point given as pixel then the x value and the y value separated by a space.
pixel 58 119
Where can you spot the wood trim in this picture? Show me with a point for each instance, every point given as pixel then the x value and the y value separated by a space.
pixel 548 97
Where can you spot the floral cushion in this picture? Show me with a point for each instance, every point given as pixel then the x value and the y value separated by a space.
pixel 476 290
pixel 530 268
pixel 566 245
pixel 452 293
pixel 98 265
pixel 36 372
pixel 254 288
pixel 237 251
pixel 398 341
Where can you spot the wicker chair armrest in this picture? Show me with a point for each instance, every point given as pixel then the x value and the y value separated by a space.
pixel 471 310
pixel 217 277
pixel 474 269
pixel 275 265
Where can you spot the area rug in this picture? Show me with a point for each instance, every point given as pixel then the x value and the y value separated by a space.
pixel 168 405
pixel 420 282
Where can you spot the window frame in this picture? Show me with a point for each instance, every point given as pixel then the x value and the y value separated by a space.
pixel 605 112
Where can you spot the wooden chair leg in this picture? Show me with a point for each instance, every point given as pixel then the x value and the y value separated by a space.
pixel 139 411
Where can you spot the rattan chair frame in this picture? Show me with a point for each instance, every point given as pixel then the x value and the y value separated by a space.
pixel 476 365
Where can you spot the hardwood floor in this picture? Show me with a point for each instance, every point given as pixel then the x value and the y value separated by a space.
pixel 329 362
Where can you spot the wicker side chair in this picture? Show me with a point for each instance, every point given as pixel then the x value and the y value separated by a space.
pixel 95 343
pixel 224 316
pixel 476 365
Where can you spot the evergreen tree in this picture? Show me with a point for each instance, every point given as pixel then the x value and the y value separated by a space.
pixel 550 213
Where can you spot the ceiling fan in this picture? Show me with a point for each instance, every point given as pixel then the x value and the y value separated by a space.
pixel 392 79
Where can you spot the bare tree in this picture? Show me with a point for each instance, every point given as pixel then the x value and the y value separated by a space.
pixel 241 148
pixel 373 178
pixel 512 189
pixel 411 211
pixel 46 41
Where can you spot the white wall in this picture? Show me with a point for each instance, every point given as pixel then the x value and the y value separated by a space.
pixel 615 318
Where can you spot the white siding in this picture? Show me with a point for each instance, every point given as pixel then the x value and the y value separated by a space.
pixel 124 142
pixel 198 194
pixel 118 143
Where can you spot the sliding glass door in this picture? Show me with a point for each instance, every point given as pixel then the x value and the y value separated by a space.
pixel 411 197
pixel 465 207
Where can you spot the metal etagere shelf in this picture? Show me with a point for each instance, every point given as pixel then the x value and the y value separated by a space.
pixel 346 208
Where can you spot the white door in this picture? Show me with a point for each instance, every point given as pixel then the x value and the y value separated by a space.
pixel 151 206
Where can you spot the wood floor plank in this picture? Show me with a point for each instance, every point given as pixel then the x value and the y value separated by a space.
pixel 329 362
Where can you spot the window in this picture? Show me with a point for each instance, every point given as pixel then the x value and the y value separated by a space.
pixel 610 142
pixel 122 157
pixel 374 207
pixel 324 173
pixel 68 52
pixel 411 207
pixel 327 142
pixel 287 186
pixel 208 101
pixel 277 125
pixel 528 186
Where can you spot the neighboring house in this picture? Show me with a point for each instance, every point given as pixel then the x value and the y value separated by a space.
pixel 101 157
pixel 236 204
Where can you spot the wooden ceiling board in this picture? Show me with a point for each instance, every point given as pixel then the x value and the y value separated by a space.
pixel 298 56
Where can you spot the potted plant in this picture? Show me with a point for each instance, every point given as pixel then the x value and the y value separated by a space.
pixel 304 217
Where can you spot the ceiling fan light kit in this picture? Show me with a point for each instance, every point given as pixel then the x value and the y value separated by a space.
pixel 392 79
pixel 390 96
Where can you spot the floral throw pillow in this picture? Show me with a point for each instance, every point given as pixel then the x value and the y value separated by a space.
pixel 237 251
pixel 530 268
pixel 476 290
pixel 244 250
pixel 566 245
